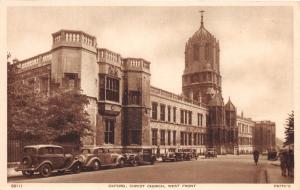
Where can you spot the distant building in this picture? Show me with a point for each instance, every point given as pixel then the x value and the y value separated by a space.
pixel 264 136
pixel 245 134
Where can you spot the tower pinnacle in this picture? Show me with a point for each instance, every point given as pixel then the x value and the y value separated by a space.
pixel 201 12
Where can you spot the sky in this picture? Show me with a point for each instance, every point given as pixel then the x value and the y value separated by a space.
pixel 256 46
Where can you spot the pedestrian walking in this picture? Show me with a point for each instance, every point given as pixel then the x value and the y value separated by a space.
pixel 256 156
pixel 283 162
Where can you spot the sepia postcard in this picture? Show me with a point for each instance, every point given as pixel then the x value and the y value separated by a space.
pixel 149 95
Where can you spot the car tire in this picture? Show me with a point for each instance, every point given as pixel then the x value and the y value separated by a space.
pixel 27 173
pixel 96 165
pixel 77 168
pixel 134 163
pixel 45 170
pixel 121 163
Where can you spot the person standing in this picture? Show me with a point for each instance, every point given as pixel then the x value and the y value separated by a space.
pixel 283 162
pixel 256 156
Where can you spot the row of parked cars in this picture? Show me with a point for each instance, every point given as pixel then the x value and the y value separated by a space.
pixel 47 159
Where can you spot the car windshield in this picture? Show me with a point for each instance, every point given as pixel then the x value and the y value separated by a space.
pixel 30 151
pixel 86 151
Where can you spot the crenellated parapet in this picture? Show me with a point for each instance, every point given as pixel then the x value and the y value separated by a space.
pixel 136 64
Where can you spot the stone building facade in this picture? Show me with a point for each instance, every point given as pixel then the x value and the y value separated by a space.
pixel 125 110
pixel 245 134
pixel 264 136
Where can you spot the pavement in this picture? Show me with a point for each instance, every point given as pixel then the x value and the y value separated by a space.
pixel 274 174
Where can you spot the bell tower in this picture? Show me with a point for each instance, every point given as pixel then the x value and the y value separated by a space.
pixel 201 79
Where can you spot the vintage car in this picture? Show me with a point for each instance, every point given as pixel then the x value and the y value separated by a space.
pixel 179 155
pixel 169 156
pixel 272 155
pixel 96 157
pixel 134 157
pixel 211 153
pixel 189 154
pixel 45 159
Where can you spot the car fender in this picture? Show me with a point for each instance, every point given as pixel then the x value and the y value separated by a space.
pixel 73 164
pixel 89 163
pixel 43 163
pixel 119 158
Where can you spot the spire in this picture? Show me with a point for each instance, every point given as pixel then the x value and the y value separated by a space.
pixel 201 17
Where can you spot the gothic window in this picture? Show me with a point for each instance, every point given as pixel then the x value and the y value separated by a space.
pixel 154 136
pixel 200 117
pixel 196 52
pixel 181 138
pixel 44 85
pixel 109 131
pixel 154 110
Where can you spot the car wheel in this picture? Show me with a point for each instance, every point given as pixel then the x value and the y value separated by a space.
pixel 77 168
pixel 27 173
pixel 96 165
pixel 121 163
pixel 134 162
pixel 45 170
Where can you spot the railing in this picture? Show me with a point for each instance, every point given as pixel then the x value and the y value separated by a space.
pixel 74 37
pixel 36 60
pixel 173 96
pixel 104 54
pixel 135 63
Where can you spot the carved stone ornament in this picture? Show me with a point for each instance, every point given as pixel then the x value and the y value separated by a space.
pixel 112 70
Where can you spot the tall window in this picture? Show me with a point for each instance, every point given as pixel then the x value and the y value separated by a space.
pixel 181 138
pixel 200 119
pixel 195 139
pixel 182 116
pixel 190 138
pixel 169 137
pixel 154 136
pixel 169 113
pixel 109 131
pixel 162 137
pixel 174 114
pixel 185 116
pixel 174 137
pixel 112 89
pixel 196 52
pixel 190 117
pixel 162 112
pixel 109 88
pixel 154 110
pixel 135 137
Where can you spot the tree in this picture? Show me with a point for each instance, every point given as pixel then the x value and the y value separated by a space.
pixel 67 116
pixel 26 108
pixel 61 117
pixel 289 129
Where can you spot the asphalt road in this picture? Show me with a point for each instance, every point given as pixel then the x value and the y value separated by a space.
pixel 224 169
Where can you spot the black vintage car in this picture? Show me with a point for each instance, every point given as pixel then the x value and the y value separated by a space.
pixel 189 154
pixel 179 155
pixel 45 159
pixel 138 156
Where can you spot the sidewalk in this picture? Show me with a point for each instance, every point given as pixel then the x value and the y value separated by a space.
pixel 274 174
pixel 11 172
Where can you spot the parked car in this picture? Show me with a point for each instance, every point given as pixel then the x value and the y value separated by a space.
pixel 179 155
pixel 139 156
pixel 190 154
pixel 211 153
pixel 169 156
pixel 96 157
pixel 131 159
pixel 45 159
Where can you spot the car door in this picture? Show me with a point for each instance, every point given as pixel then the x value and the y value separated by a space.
pixel 107 156
pixel 58 157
